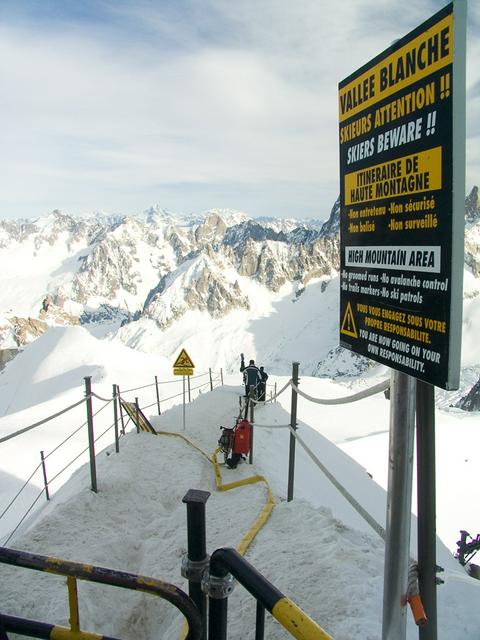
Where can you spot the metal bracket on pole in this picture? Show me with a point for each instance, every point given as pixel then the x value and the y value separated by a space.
pixel 217 587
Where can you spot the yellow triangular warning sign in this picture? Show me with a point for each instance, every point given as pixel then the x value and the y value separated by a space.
pixel 348 324
pixel 183 360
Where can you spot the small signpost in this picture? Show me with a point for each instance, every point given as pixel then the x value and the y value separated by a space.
pixel 402 176
pixel 183 366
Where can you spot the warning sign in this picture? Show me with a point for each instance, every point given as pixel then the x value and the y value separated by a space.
pixel 348 324
pixel 183 365
pixel 402 180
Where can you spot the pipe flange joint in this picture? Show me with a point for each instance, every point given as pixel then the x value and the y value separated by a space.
pixel 217 588
pixel 193 569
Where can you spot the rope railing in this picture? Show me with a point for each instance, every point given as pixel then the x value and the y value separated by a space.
pixel 274 397
pixel 272 426
pixel 95 395
pixel 40 422
pixel 23 517
pixel 104 432
pixel 382 386
pixel 20 491
pixel 176 395
pixel 145 386
pixel 68 465
pixel 107 401
pixel 345 493
pixel 160 382
pixel 66 440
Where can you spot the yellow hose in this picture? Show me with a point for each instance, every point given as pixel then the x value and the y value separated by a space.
pixel 262 518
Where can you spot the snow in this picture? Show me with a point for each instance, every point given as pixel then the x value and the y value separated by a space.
pixel 277 329
pixel 315 549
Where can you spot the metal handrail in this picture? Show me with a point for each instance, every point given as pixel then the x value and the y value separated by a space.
pixel 101 575
pixel 227 560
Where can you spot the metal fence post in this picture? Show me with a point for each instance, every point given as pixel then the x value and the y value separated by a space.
pixel 91 436
pixel 137 417
pixel 252 419
pixel 121 410
pixel 211 381
pixel 221 375
pixel 42 457
pixel 293 424
pixel 158 396
pixel 115 418
pixel 196 560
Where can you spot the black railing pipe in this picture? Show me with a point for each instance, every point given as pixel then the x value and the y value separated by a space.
pixel 197 558
pixel 260 622
pixel 91 573
pixel 35 629
pixel 217 607
pixel 284 610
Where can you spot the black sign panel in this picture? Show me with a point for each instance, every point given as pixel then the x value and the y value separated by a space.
pixel 401 229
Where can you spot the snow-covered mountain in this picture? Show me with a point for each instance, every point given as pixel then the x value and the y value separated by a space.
pixel 146 280
pixel 61 270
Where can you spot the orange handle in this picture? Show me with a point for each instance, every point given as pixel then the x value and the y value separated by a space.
pixel 418 611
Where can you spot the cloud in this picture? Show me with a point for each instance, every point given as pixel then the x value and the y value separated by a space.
pixel 118 104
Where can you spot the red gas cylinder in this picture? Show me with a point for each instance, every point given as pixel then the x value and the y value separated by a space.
pixel 242 436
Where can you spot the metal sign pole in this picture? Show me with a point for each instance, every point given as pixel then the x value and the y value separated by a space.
pixel 183 402
pixel 399 504
pixel 426 509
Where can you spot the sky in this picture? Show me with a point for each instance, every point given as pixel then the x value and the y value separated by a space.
pixel 316 549
pixel 191 104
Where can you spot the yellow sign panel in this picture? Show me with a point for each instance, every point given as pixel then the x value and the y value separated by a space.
pixel 348 324
pixel 183 371
pixel 419 58
pixel 183 360
pixel 404 176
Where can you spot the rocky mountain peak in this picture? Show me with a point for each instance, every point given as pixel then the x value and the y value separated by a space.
pixel 211 231
pixel 332 226
pixel 472 209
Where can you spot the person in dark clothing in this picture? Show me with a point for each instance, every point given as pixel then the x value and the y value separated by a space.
pixel 262 386
pixel 251 376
